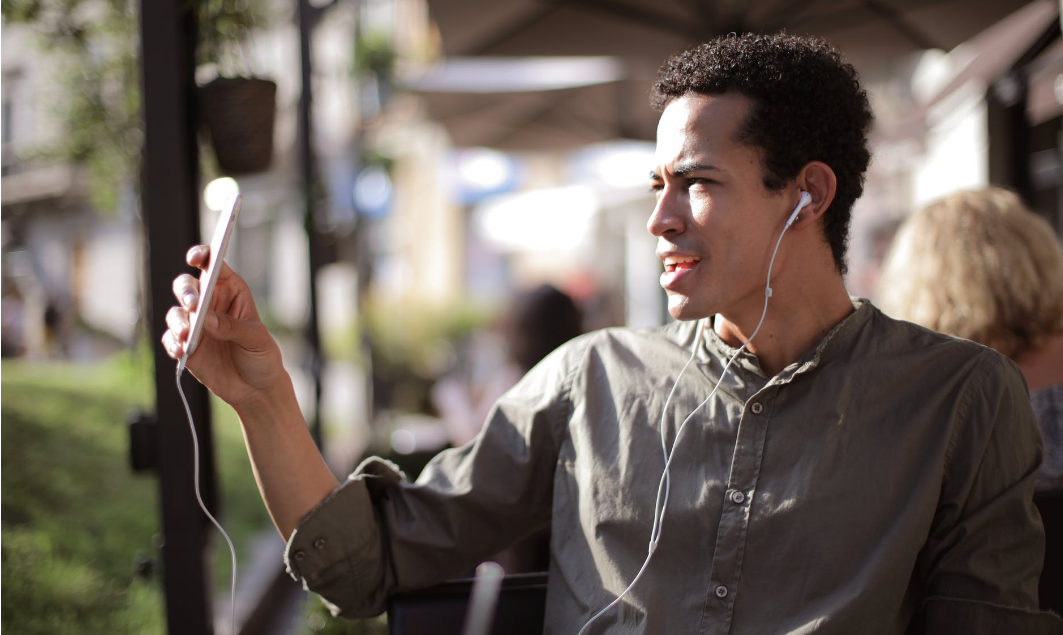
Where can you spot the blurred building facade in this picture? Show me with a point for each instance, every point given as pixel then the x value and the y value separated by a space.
pixel 66 267
pixel 418 220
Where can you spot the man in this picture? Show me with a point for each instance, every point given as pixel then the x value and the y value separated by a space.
pixel 845 474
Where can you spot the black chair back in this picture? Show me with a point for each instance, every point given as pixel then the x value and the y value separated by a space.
pixel 440 610
pixel 1050 504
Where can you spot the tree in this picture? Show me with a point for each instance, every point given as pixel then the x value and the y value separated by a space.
pixel 94 47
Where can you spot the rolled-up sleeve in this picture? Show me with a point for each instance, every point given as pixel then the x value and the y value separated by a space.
pixel 336 549
pixel 379 534
pixel 983 558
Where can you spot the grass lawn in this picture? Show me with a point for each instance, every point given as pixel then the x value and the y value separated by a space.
pixel 75 517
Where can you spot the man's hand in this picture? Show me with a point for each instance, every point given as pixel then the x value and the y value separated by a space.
pixel 239 361
pixel 236 358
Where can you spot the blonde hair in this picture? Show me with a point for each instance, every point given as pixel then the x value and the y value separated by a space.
pixel 979 265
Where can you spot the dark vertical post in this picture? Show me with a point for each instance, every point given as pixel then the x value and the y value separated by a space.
pixel 1010 141
pixel 307 17
pixel 1009 130
pixel 170 205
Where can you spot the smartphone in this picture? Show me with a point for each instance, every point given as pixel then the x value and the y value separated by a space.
pixel 219 243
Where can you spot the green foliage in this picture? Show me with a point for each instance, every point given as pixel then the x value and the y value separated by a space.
pixel 413 347
pixel 412 337
pixel 93 48
pixel 225 29
pixel 319 621
pixel 374 54
pixel 75 517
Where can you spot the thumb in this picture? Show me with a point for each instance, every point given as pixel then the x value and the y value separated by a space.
pixel 245 333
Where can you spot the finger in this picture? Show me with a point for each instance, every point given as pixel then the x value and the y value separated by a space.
pixel 198 256
pixel 186 290
pixel 177 322
pixel 173 347
pixel 248 334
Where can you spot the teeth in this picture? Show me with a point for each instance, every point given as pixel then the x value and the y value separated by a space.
pixel 678 260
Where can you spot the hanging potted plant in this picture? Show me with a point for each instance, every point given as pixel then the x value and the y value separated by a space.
pixel 237 108
pixel 374 66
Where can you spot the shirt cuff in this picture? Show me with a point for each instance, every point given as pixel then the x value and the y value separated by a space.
pixel 973 617
pixel 336 550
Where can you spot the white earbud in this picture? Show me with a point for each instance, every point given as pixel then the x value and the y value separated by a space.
pixel 806 198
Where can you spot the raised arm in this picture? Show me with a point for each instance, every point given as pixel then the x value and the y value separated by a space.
pixel 239 361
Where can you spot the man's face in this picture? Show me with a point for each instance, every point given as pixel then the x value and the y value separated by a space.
pixel 715 221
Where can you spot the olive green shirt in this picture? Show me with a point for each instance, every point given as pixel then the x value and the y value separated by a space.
pixel 880 484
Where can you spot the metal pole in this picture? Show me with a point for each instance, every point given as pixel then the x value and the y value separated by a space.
pixel 170 204
pixel 307 18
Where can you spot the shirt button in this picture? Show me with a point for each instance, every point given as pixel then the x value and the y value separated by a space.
pixel 757 408
pixel 721 591
pixel 319 543
pixel 299 554
pixel 738 497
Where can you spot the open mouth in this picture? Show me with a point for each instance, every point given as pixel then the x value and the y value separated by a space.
pixel 674 264
pixel 676 268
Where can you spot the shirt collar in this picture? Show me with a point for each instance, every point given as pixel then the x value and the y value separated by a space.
pixel 842 333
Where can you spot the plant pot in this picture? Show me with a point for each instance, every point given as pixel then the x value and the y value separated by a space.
pixel 238 113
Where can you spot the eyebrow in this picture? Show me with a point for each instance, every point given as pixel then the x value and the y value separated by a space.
pixel 683 169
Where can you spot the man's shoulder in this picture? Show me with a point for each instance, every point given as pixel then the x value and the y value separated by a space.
pixel 927 353
pixel 893 335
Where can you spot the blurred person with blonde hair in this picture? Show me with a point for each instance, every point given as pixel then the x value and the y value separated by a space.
pixel 979 265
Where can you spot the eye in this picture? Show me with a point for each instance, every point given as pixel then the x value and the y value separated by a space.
pixel 700 186
pixel 656 187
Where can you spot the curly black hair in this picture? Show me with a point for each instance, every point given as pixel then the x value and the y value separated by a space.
pixel 807 106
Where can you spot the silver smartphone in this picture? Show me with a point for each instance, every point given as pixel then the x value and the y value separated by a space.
pixel 219 243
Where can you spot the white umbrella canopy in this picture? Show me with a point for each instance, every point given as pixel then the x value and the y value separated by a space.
pixel 589 103
pixel 868 31
pixel 538 103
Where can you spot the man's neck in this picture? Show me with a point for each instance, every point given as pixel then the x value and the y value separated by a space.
pixel 799 317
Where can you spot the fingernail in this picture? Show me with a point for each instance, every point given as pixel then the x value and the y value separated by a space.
pixel 189 300
pixel 212 320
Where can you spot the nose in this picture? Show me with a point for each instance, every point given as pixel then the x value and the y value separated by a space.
pixel 667 217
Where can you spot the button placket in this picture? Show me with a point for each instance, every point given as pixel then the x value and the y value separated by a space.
pixel 735 517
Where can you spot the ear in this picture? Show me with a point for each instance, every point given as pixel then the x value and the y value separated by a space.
pixel 818 179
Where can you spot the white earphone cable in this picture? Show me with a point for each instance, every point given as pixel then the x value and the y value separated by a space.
pixel 199 498
pixel 660 505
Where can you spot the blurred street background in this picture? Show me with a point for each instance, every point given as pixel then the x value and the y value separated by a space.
pixel 424 163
